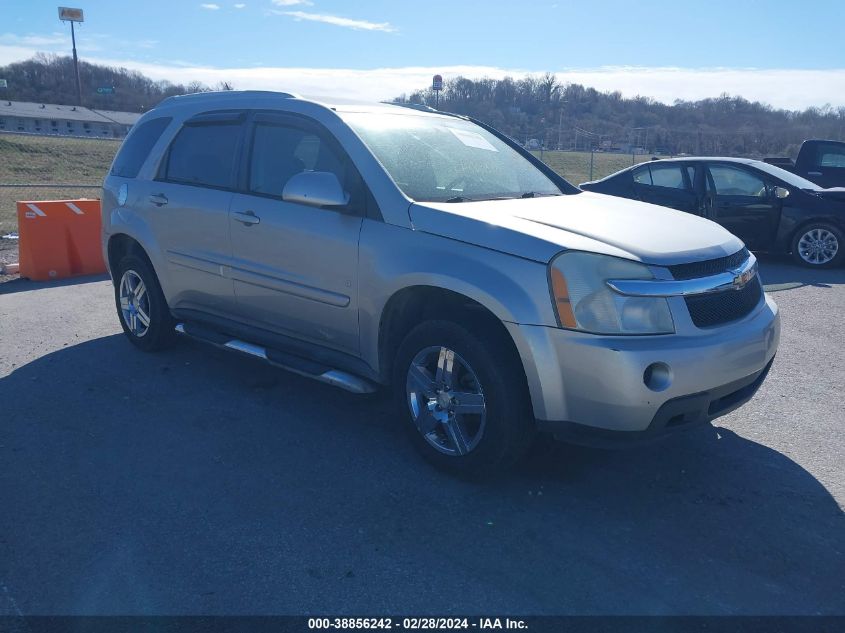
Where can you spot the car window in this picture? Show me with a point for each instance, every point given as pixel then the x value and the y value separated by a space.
pixel 642 175
pixel 667 175
pixel 280 152
pixel 135 149
pixel 733 181
pixel 831 156
pixel 204 155
pixel 437 158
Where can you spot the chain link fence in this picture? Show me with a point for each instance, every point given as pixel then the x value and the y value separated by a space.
pixel 49 168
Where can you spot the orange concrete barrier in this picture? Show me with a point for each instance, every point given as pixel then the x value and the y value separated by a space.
pixel 59 238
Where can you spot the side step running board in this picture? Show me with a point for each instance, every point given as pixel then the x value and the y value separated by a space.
pixel 277 358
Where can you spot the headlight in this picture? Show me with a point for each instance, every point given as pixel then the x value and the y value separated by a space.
pixel 584 301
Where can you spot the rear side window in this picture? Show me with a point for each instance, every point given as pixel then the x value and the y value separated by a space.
pixel 137 146
pixel 670 176
pixel 831 156
pixel 204 155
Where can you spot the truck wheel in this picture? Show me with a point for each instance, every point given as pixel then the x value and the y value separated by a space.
pixel 463 402
pixel 818 245
pixel 141 306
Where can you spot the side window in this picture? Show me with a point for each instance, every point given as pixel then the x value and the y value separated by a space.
pixel 733 181
pixel 204 155
pixel 671 176
pixel 831 156
pixel 137 146
pixel 642 176
pixel 280 152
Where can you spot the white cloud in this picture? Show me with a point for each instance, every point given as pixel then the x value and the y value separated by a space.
pixel 782 88
pixel 239 5
pixel 210 6
pixel 290 3
pixel 52 39
pixel 358 25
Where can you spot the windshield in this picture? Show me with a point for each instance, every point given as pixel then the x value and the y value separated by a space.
pixel 437 159
pixel 787 176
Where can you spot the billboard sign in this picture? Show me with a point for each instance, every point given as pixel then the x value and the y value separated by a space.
pixel 437 82
pixel 4 83
pixel 70 15
pixel 105 90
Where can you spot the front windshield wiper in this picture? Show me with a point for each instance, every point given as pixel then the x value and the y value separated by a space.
pixel 459 199
pixel 534 194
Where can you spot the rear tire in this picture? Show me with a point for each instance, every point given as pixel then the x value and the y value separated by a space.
pixel 482 400
pixel 818 245
pixel 141 306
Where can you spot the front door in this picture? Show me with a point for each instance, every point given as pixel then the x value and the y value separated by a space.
pixel 743 202
pixel 295 267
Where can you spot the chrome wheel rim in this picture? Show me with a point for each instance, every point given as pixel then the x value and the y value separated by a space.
pixel 134 303
pixel 818 246
pixel 446 401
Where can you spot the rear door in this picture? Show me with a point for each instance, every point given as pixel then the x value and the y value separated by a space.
pixel 743 201
pixel 666 184
pixel 189 203
pixel 295 267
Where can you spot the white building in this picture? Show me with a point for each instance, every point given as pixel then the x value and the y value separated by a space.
pixel 61 120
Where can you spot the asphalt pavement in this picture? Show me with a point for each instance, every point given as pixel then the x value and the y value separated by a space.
pixel 195 481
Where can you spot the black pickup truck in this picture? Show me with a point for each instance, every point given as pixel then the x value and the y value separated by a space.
pixel 822 162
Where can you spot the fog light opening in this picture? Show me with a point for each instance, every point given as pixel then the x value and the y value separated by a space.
pixel 657 376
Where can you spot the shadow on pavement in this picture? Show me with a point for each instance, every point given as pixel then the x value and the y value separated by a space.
pixel 22 285
pixel 194 481
pixel 781 273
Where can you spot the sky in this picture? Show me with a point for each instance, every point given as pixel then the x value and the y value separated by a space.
pixel 783 52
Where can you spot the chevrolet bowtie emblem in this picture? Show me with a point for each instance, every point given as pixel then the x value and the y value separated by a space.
pixel 743 277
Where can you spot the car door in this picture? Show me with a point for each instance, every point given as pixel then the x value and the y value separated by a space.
pixel 667 184
pixel 189 210
pixel 295 267
pixel 743 202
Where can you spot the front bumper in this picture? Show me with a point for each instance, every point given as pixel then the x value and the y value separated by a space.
pixel 597 382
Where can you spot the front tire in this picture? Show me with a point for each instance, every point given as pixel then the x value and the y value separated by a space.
pixel 141 306
pixel 818 245
pixel 462 399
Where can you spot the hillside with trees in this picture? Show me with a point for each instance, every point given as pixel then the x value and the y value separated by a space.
pixel 565 116
pixel 51 79
pixel 572 116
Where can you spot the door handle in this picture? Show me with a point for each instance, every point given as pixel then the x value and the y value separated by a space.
pixel 814 173
pixel 158 199
pixel 247 218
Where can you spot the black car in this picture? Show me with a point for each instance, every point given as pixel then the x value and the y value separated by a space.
pixel 767 207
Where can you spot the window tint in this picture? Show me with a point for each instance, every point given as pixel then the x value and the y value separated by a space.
pixel 137 146
pixel 204 155
pixel 642 176
pixel 671 176
pixel 732 181
pixel 831 156
pixel 667 176
pixel 280 152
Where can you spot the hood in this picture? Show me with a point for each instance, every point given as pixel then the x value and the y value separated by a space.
pixel 539 228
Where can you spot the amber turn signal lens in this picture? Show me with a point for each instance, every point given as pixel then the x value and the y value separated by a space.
pixel 564 306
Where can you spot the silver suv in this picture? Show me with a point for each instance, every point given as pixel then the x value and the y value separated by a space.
pixel 370 246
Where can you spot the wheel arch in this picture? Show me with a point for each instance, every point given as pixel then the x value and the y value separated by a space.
pixel 416 304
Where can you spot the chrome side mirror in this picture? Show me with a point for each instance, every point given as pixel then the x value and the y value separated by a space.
pixel 316 189
pixel 781 193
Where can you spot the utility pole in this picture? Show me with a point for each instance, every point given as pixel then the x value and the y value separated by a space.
pixel 67 14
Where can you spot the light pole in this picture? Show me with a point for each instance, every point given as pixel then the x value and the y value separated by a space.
pixel 66 14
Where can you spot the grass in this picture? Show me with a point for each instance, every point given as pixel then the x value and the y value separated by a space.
pixel 55 160
pixel 575 166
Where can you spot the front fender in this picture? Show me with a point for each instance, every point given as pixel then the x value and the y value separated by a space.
pixel 393 258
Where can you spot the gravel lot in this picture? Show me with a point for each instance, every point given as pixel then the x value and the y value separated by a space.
pixel 200 482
